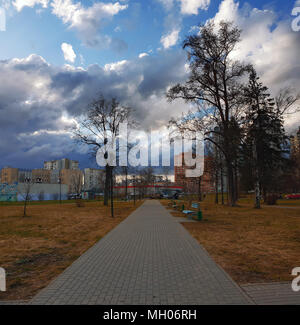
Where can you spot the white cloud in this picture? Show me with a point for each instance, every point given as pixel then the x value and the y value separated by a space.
pixel 115 66
pixel 142 55
pixel 191 7
pixel 82 61
pixel 194 29
pixel 2 20
pixel 42 99
pixel 20 4
pixel 170 39
pixel 87 21
pixel 68 52
pixel 187 7
pixel 168 4
pixel 78 16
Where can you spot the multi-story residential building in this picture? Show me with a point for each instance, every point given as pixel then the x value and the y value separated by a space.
pixel 41 175
pixel 64 163
pixel 191 184
pixel 295 144
pixel 54 176
pixel 295 157
pixel 9 175
pixel 24 174
pixel 73 178
pixel 93 178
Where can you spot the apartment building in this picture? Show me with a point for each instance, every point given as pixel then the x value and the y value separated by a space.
pixel 64 163
pixel 295 144
pixel 9 175
pixel 93 178
pixel 24 174
pixel 41 176
pixel 73 178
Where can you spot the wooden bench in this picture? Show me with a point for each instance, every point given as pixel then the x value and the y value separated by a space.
pixel 195 211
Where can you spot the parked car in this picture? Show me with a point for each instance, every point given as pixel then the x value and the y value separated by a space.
pixel 74 196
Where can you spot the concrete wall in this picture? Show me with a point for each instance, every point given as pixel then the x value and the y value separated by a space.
pixel 50 190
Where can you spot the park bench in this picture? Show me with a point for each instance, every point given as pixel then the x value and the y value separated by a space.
pixel 195 211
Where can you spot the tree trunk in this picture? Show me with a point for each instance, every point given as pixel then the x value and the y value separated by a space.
pixel 126 183
pixel 199 189
pixel 257 194
pixel 236 187
pixel 230 178
pixel 106 186
pixel 217 186
pixel 230 173
pixel 222 183
pixel 25 205
pixel 256 179
pixel 111 192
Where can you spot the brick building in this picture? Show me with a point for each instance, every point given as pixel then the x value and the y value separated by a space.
pixel 73 178
pixel 295 145
pixel 41 176
pixel 9 175
pixel 93 178
pixel 191 184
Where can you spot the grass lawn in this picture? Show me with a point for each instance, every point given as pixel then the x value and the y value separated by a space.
pixel 251 245
pixel 35 249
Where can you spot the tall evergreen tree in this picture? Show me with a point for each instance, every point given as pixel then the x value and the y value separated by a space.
pixel 265 138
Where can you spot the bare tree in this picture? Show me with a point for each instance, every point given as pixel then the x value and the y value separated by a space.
pixel 125 172
pixel 25 192
pixel 147 179
pixel 76 183
pixel 99 127
pixel 287 102
pixel 213 87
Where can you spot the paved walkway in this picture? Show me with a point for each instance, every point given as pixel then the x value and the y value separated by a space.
pixel 279 293
pixel 147 259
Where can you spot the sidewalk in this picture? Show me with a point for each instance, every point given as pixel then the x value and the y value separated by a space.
pixel 277 293
pixel 147 259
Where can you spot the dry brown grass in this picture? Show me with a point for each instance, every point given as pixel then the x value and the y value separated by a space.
pixel 251 245
pixel 35 249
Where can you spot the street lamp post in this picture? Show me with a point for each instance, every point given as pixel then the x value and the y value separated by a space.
pixel 134 188
pixel 112 193
pixel 59 181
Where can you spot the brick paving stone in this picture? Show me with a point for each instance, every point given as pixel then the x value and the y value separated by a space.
pixel 149 258
pixel 279 293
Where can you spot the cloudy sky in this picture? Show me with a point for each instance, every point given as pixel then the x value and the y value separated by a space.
pixel 56 55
